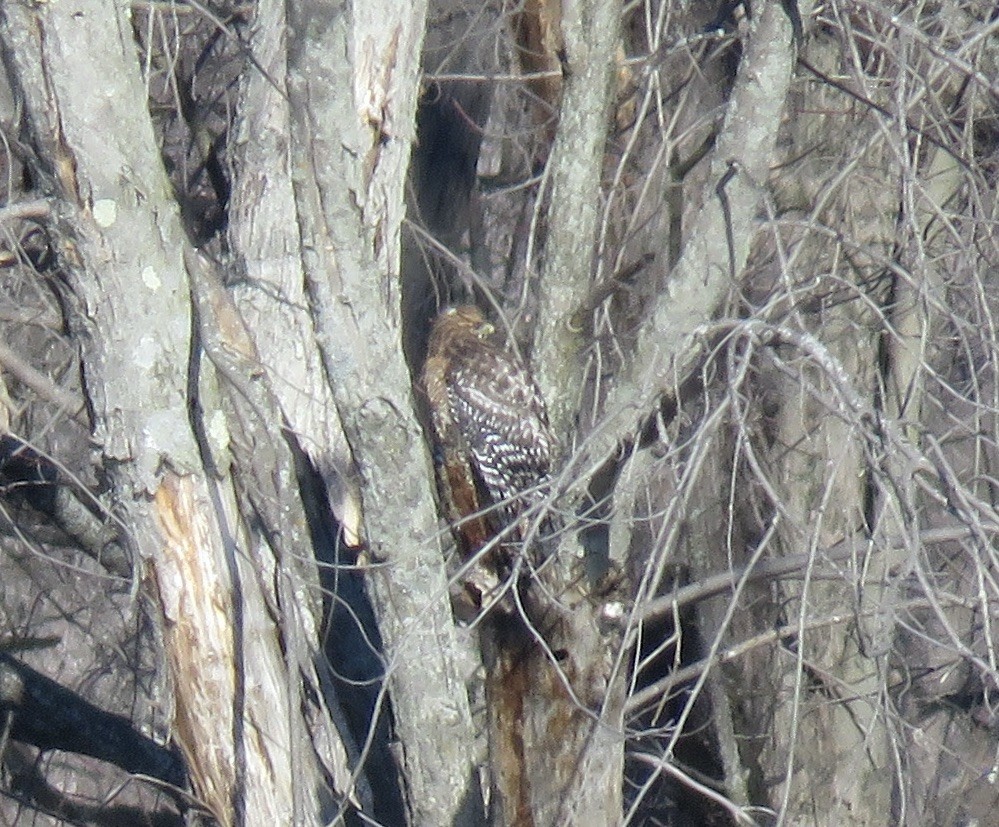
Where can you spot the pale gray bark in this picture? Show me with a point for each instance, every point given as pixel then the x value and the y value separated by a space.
pixel 352 87
pixel 237 704
pixel 269 288
pixel 590 31
pixel 815 505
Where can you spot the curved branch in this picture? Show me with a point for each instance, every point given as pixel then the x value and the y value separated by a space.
pixel 719 240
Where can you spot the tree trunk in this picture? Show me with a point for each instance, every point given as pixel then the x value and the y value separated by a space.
pixel 234 660
pixel 352 90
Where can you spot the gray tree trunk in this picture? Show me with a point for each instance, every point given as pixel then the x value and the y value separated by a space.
pixel 352 75
pixel 235 639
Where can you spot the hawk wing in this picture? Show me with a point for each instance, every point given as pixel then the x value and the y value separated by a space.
pixel 499 412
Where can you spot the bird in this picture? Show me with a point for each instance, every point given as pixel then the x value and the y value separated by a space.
pixel 493 446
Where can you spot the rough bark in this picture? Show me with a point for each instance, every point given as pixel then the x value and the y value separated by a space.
pixel 352 89
pixel 269 288
pixel 590 34
pixel 806 528
pixel 131 313
pixel 556 744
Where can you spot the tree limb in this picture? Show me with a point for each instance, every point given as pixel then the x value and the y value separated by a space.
pixel 702 278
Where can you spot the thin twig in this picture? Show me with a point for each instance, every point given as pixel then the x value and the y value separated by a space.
pixel 42 385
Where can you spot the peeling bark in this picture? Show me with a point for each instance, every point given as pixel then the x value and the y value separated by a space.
pixel 130 304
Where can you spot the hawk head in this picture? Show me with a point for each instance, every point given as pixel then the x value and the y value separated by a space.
pixel 464 317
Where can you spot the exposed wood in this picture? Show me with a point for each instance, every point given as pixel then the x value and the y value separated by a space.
pixel 130 308
pixel 194 590
pixel 774 594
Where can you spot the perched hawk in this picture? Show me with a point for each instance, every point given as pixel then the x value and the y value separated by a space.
pixel 493 446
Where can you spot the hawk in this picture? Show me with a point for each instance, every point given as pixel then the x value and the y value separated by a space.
pixel 493 445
